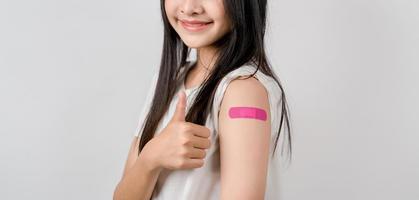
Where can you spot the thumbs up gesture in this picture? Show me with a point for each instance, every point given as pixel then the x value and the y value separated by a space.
pixel 180 145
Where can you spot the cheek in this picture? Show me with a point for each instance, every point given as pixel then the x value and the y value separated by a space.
pixel 170 9
pixel 221 17
pixel 223 24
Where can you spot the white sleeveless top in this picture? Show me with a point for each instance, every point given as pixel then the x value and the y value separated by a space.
pixel 204 183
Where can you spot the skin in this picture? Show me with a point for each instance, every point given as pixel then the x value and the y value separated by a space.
pixel 201 10
pixel 180 145
pixel 139 177
pixel 244 143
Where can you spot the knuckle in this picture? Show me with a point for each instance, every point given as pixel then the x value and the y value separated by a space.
pixel 208 144
pixel 183 152
pixel 180 163
pixel 200 163
pixel 185 127
pixel 185 140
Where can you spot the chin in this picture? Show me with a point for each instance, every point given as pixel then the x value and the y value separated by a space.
pixel 196 44
pixel 193 46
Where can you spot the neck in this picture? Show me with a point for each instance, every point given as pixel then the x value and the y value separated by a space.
pixel 206 57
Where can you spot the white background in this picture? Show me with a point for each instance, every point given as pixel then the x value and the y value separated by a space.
pixel 74 74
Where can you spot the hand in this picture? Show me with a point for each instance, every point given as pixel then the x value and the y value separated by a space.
pixel 180 145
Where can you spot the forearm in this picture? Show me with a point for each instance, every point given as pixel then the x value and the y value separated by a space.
pixel 138 182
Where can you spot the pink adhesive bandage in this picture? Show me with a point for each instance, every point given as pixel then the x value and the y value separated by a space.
pixel 247 112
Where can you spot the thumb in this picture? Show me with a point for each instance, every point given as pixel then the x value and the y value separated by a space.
pixel 179 114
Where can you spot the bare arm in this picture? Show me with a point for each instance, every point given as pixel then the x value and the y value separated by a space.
pixel 139 177
pixel 180 145
pixel 244 142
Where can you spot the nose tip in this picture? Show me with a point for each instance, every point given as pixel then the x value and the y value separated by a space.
pixel 190 7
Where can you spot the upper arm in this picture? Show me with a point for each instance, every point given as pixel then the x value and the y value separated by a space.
pixel 244 142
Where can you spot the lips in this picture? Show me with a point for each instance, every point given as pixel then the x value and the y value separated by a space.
pixel 195 25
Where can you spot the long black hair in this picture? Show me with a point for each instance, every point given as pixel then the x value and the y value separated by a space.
pixel 242 45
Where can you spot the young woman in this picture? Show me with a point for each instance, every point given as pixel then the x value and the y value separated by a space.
pixel 209 124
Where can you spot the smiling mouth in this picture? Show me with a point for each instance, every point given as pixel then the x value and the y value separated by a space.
pixel 194 26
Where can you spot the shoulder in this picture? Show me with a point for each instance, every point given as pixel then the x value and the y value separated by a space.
pixel 245 85
pixel 246 90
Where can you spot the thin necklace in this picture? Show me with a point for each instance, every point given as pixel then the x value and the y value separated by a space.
pixel 206 68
